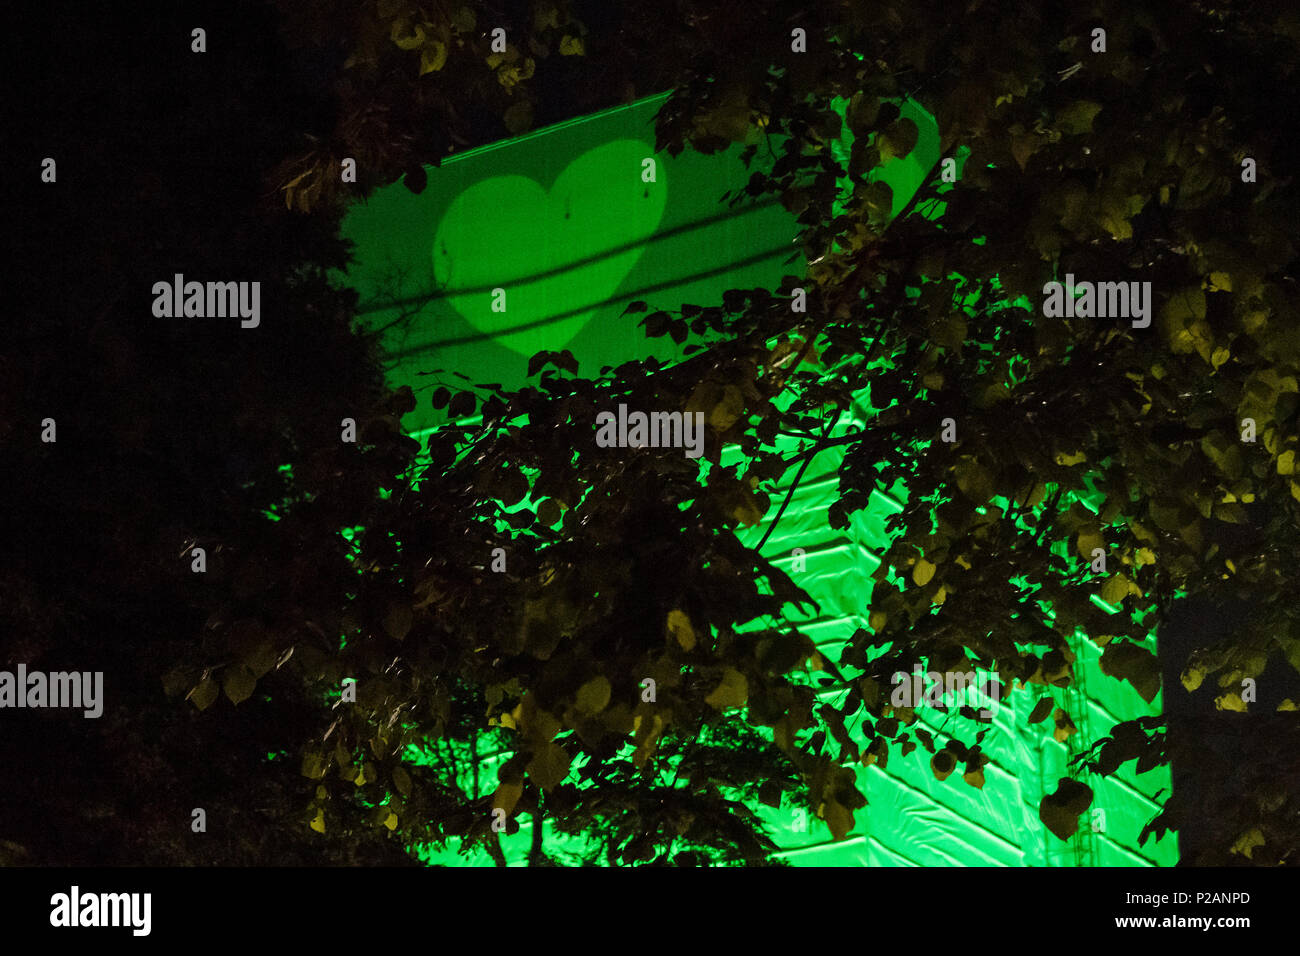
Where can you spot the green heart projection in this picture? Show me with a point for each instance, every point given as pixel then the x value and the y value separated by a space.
pixel 569 224
pixel 558 256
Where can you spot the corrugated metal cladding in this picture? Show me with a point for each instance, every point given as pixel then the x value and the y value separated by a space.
pixel 564 221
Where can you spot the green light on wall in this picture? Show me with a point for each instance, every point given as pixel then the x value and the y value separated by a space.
pixel 563 221
pixel 570 223
pixel 556 255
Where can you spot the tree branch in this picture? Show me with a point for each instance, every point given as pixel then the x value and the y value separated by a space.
pixel 830 422
pixel 535 855
pixel 494 849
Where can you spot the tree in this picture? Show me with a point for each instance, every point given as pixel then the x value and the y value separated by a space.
pixel 1167 449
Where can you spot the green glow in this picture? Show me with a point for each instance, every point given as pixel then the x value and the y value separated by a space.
pixel 567 281
pixel 550 252
pixel 496 218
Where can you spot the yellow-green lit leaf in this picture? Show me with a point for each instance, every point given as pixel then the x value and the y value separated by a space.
pixel 839 818
pixel 1184 308
pixel 950 332
pixel 261 660
pixel 733 691
pixel 545 15
pixel 1114 217
pixel 646 734
pixel 784 652
pixel 538 725
pixel 1116 588
pixel 571 46
pixel 549 512
pixel 679 627
pixel 1088 541
pixel 1247 842
pixel 1041 710
pixel 506 796
pixel 314 765
pixel 397 622
pixel 990 395
pixel 1073 206
pixel 923 572
pixel 746 511
pixel 897 139
pixel 402 781
pixel 862 112
pixel 1077 117
pixel 879 200
pixel 464 20
pixel 318 821
pixel 593 696
pixel 176 680
pixel 1036 495
pixel 1230 512
pixel 703 398
pixel 205 694
pixel 1291 647
pixel 731 403
pixel 1193 677
pixel 1060 811
pixel 1142 532
pixel 729 120
pixel 1023 146
pixel 1168 515
pixel 1073 458
pixel 1277 381
pixel 238 683
pixel 549 766
pixel 429 590
pixel 1064 726
pixel 1254 321
pixel 1230 701
pixel 942 764
pixel 1127 661
pixel 433 57
pixel 974 480
pixel 1224 452
pixel 406 37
